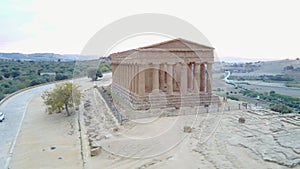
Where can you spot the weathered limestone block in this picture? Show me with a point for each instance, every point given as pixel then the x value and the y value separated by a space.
pixel 95 151
pixel 187 129
pixel 242 120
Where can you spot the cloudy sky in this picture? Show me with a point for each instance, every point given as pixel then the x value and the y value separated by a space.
pixel 263 29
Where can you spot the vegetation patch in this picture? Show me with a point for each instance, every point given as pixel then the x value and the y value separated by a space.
pixel 278 102
pixel 17 74
pixel 292 85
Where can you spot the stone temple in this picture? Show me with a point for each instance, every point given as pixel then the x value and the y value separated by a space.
pixel 175 73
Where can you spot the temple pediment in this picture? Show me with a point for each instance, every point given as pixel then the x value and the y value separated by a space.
pixel 178 45
pixel 172 51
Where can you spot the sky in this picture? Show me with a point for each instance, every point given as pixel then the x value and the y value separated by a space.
pixel 256 29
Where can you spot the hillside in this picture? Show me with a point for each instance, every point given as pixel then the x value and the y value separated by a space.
pixel 45 57
pixel 276 67
pixel 18 74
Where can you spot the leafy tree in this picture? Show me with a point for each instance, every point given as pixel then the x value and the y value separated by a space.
pixel 94 73
pixel 6 74
pixel 37 81
pixel 15 74
pixel 104 68
pixel 63 96
pixel 60 76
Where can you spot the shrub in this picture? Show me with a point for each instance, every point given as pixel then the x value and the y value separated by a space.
pixel 281 108
pixel 233 98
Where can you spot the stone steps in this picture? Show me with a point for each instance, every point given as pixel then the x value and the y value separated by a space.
pixel 163 100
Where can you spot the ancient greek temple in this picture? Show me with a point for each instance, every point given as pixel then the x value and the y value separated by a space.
pixel 174 73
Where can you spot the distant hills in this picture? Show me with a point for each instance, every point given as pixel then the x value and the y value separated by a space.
pixel 233 59
pixel 45 57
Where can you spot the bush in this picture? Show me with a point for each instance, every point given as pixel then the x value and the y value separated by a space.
pixel 233 98
pixel 281 108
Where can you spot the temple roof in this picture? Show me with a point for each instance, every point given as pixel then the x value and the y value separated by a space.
pixel 177 44
pixel 174 45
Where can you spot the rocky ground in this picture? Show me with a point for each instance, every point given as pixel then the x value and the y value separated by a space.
pixel 217 139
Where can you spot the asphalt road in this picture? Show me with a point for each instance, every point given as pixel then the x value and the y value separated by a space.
pixel 15 109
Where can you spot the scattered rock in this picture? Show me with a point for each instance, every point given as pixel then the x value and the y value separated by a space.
pixel 87 104
pixel 60 158
pixel 95 151
pixel 115 129
pixel 242 120
pixel 187 129
pixel 52 148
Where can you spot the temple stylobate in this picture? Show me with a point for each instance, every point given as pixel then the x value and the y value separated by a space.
pixel 174 73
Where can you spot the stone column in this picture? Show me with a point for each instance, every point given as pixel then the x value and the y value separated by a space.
pixel 202 78
pixel 174 77
pixel 183 79
pixel 209 78
pixel 121 74
pixel 114 75
pixel 124 75
pixel 141 81
pixel 197 77
pixel 117 74
pixel 190 76
pixel 169 79
pixel 162 73
pixel 136 79
pixel 155 77
pixel 129 77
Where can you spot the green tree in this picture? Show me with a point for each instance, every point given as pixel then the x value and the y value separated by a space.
pixel 104 68
pixel 272 92
pixel 94 73
pixel 63 96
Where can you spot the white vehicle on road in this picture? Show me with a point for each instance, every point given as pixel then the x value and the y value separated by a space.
pixel 2 116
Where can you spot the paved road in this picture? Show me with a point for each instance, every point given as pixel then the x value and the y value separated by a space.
pixel 15 109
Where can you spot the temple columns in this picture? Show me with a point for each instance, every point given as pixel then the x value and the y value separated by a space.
pixel 136 78
pixel 169 79
pixel 209 78
pixel 202 78
pixel 141 81
pixel 183 79
pixel 155 78
pixel 162 77
pixel 197 77
pixel 190 76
